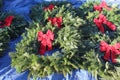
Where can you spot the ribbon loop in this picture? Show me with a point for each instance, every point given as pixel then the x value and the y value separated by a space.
pixel 103 20
pixel 111 52
pixel 7 21
pixel 56 21
pixel 50 7
pixel 45 41
pixel 101 6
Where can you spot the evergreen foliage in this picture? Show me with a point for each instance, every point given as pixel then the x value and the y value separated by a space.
pixel 66 40
pixel 7 33
pixel 78 40
pixel 92 36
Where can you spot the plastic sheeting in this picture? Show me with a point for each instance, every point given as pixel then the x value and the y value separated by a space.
pixel 22 7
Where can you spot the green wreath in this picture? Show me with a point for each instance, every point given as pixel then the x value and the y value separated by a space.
pixel 66 40
pixel 64 9
pixel 11 26
pixel 92 36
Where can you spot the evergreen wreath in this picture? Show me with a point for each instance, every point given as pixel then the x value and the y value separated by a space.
pixel 100 32
pixel 80 43
pixel 37 10
pixel 59 26
pixel 41 12
pixel 11 26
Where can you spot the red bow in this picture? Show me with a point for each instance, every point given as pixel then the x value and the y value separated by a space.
pixel 7 21
pixel 56 21
pixel 103 20
pixel 50 7
pixel 101 6
pixel 46 41
pixel 111 52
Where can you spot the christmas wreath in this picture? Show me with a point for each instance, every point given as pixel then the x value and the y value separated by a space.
pixel 85 38
pixel 100 37
pixel 11 26
pixel 57 30
pixel 38 15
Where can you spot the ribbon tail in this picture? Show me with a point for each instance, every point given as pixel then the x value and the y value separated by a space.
pixel 111 25
pixel 42 49
pixel 100 27
pixel 107 55
pixel 49 46
pixel 113 57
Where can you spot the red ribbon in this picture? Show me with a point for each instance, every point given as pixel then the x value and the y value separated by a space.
pixel 7 21
pixel 45 41
pixel 103 20
pixel 56 21
pixel 111 52
pixel 101 6
pixel 50 7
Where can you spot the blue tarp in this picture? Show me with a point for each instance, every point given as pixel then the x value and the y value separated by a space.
pixel 22 7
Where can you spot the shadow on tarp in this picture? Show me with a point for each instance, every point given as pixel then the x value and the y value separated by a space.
pixel 9 73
